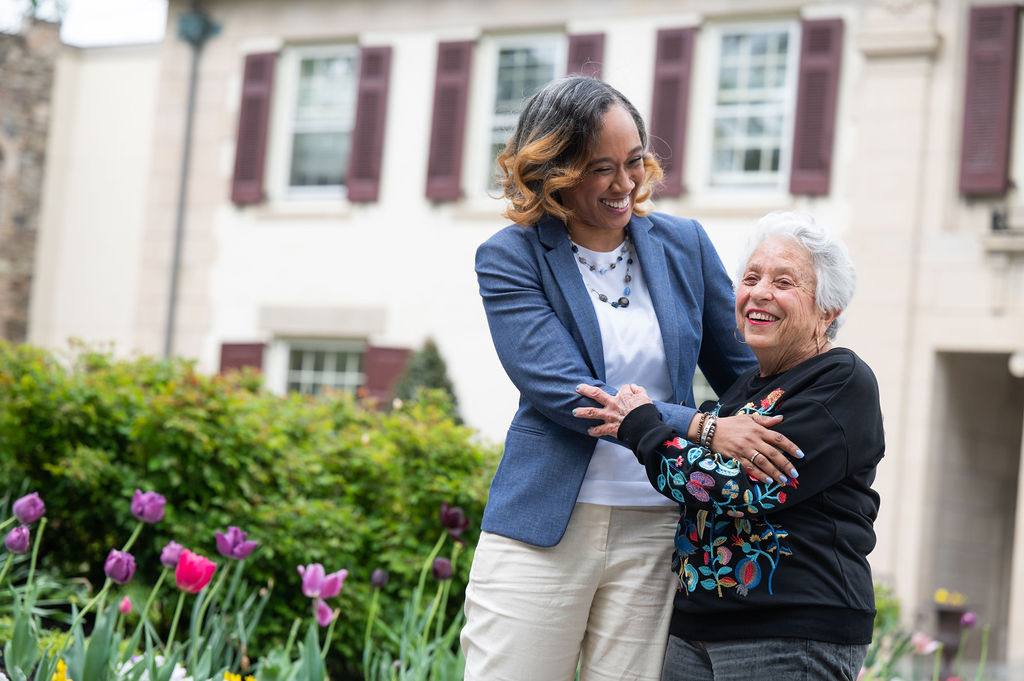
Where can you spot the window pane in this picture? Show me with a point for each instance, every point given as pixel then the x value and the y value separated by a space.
pixel 752 107
pixel 319 159
pixel 323 120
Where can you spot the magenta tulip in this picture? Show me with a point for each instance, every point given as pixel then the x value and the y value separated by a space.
pixel 193 572
pixel 148 506
pixel 119 566
pixel 125 606
pixel 29 508
pixel 234 545
pixel 17 540
pixel 968 620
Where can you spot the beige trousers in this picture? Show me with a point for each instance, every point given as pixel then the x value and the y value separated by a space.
pixel 600 599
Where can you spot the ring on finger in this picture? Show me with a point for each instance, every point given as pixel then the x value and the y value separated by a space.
pixel 754 457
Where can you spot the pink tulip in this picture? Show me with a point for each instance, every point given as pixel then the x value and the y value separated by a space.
pixel 317 584
pixel 322 612
pixel 923 644
pixel 125 606
pixel 193 572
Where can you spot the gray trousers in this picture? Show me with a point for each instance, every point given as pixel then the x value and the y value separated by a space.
pixel 763 659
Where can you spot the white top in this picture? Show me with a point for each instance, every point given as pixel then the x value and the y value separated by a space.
pixel 633 353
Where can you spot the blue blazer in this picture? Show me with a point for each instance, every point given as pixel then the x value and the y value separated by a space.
pixel 546 334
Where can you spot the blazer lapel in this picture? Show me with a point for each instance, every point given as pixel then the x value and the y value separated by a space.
pixel 552 235
pixel 651 253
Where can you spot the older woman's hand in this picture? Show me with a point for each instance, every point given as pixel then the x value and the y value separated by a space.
pixel 613 407
pixel 760 451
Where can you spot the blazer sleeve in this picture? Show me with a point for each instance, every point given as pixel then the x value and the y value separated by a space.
pixel 537 351
pixel 722 358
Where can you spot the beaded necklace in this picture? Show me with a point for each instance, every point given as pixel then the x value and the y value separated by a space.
pixel 623 300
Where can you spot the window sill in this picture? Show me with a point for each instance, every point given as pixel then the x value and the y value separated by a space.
pixel 303 209
pixel 1010 241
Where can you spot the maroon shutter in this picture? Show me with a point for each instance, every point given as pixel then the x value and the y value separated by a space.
pixel 253 119
pixel 988 101
pixel 672 66
pixel 821 45
pixel 382 367
pixel 368 131
pixel 586 53
pixel 451 91
pixel 238 355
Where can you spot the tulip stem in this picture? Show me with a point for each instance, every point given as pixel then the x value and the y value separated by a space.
pixel 92 602
pixel 35 552
pixel 371 615
pixel 149 602
pixel 427 565
pixel 327 636
pixel 8 522
pixel 174 622
pixel 197 626
pixel 133 537
pixel 936 662
pixel 291 637
pixel 984 653
pixel 7 566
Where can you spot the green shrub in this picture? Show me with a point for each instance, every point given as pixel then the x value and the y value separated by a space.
pixel 327 479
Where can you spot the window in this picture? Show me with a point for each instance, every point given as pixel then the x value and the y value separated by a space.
pixel 314 366
pixel 522 67
pixel 322 117
pixel 754 102
pixel 702 390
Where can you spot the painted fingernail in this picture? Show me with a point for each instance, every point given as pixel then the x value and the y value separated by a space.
pixel 799 454
pixel 792 471
pixel 579 387
pixel 574 411
pixel 783 479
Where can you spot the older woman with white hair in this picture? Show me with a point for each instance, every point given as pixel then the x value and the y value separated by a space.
pixel 772 577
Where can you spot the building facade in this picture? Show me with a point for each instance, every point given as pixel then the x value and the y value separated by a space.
pixel 340 177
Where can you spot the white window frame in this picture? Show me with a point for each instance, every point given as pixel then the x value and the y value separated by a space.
pixel 760 181
pixel 279 374
pixel 479 166
pixel 285 103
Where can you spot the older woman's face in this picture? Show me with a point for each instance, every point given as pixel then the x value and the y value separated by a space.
pixel 775 309
pixel 602 203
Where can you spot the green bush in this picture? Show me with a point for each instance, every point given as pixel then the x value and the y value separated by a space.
pixel 328 479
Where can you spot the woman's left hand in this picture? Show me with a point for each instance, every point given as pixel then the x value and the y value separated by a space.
pixel 613 407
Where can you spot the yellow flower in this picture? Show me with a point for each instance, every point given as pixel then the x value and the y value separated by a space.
pixel 941 595
pixel 228 676
pixel 62 671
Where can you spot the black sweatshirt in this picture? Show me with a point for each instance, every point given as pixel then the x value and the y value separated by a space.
pixel 765 560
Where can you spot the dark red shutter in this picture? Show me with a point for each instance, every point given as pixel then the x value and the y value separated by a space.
pixel 821 45
pixel 368 132
pixel 382 367
pixel 586 54
pixel 451 92
pixel 238 355
pixel 988 101
pixel 672 66
pixel 253 120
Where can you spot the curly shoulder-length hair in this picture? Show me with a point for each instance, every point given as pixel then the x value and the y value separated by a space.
pixel 552 144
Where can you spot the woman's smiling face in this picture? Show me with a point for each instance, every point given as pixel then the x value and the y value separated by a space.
pixel 775 307
pixel 602 204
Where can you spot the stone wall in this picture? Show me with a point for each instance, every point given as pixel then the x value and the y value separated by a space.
pixel 27 64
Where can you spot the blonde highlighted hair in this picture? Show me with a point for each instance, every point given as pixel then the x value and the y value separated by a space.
pixel 552 144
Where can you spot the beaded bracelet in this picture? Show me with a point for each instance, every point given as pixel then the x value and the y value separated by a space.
pixel 708 430
pixel 700 424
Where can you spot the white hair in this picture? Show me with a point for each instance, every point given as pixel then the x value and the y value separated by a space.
pixel 833 267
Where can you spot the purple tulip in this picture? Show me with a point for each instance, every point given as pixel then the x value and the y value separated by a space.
pixel 442 569
pixel 170 554
pixel 29 508
pixel 119 566
pixel 322 612
pixel 148 506
pixel 317 584
pixel 17 539
pixel 378 579
pixel 234 545
pixel 454 520
pixel 968 620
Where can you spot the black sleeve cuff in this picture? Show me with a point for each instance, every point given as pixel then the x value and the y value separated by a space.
pixel 637 424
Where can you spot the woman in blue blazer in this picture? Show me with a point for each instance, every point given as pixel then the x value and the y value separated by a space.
pixel 590 287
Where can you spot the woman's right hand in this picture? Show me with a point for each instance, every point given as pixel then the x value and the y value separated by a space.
pixel 760 451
